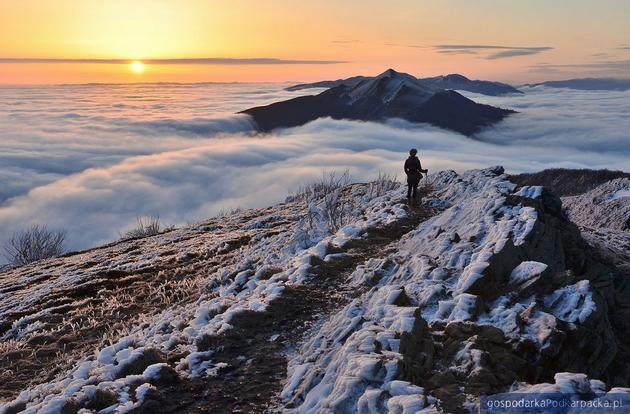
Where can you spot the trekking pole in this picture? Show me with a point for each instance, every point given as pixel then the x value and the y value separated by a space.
pixel 426 179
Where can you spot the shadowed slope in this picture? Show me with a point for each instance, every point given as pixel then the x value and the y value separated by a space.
pixel 389 95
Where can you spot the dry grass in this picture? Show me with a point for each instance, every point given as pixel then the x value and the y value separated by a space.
pixel 146 226
pixel 33 244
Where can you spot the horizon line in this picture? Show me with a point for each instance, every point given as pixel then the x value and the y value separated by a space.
pixel 175 61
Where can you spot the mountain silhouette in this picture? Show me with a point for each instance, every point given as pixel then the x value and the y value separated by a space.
pixel 389 95
pixel 453 81
pixel 588 84
pixel 462 83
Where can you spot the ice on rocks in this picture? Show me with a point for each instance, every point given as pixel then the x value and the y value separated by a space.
pixel 619 194
pixel 526 271
pixel 436 265
pixel 530 191
pixel 572 303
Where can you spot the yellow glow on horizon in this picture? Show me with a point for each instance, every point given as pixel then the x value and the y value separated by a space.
pixel 136 67
pixel 356 32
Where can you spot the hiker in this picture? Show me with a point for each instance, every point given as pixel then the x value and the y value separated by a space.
pixel 414 171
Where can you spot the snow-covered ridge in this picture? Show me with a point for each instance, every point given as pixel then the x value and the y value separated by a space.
pixel 442 281
pixel 392 82
pixel 606 206
pixel 497 289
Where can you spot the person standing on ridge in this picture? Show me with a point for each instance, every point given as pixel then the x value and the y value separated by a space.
pixel 414 171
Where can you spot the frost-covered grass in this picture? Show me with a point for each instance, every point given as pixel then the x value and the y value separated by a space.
pixel 332 202
pixel 145 226
pixel 145 299
pixel 604 207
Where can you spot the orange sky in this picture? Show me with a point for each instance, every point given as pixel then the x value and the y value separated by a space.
pixel 492 39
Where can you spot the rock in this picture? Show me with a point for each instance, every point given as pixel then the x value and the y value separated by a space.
pixel 148 357
pixel 161 374
pixel 417 349
pixel 553 241
pixel 14 407
pixel 102 399
pixel 152 400
pixel 150 406
pixel 478 358
pixel 402 299
pixel 440 379
pixel 451 398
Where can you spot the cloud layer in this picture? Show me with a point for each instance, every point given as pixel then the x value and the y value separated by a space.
pixel 90 159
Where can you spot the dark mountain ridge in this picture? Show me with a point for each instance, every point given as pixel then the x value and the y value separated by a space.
pixel 328 83
pixel 460 82
pixel 389 95
pixel 588 84
pixel 452 81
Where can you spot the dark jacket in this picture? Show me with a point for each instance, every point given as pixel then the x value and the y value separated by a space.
pixel 413 169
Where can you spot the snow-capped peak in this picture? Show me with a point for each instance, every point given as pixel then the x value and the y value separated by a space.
pixel 456 77
pixel 387 85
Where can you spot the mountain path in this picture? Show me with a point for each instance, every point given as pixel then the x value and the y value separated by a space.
pixel 255 350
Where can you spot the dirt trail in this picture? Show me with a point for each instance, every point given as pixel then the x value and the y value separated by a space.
pixel 255 349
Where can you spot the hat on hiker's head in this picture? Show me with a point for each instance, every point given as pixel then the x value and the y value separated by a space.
pixel 413 151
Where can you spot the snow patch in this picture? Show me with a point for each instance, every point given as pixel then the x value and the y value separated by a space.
pixel 527 271
pixel 572 303
pixel 530 191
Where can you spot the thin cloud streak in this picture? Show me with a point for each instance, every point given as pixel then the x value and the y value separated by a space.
pixel 485 47
pixel 178 61
pixel 458 52
pixel 612 65
pixel 410 46
pixel 504 51
pixel 517 52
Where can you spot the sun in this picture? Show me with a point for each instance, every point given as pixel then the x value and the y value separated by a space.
pixel 136 67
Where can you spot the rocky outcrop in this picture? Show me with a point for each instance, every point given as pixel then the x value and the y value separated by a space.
pixel 605 207
pixel 568 182
pixel 500 289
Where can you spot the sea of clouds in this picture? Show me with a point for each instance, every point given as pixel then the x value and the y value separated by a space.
pixel 91 158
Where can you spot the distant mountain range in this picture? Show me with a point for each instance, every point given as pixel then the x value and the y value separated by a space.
pixel 453 82
pixel 389 95
pixel 588 84
pixel 328 83
pixel 462 83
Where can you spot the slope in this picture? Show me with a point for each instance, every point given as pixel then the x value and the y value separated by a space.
pixel 483 288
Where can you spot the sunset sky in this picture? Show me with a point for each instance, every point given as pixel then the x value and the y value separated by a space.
pixel 76 41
